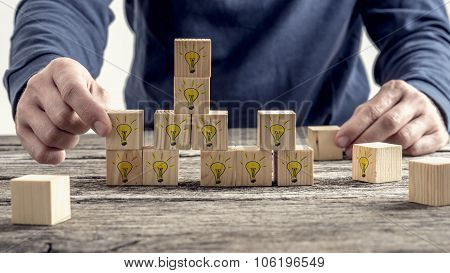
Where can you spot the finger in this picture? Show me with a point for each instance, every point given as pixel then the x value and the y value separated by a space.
pixel 389 123
pixel 428 144
pixel 60 114
pixel 411 132
pixel 366 114
pixel 76 94
pixel 47 132
pixel 38 151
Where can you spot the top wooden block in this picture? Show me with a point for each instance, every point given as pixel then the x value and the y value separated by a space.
pixel 321 139
pixel 276 130
pixel 192 58
pixel 128 130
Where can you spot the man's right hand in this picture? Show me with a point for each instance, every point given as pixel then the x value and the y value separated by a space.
pixel 59 103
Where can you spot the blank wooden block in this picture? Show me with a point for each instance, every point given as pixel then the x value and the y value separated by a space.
pixel 124 168
pixel 296 167
pixel 192 58
pixel 210 132
pixel 377 162
pixel 253 166
pixel 40 199
pixel 217 168
pixel 276 130
pixel 128 130
pixel 321 139
pixel 429 181
pixel 172 131
pixel 191 95
pixel 160 167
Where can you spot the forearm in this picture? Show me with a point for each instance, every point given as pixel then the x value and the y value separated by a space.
pixel 45 30
pixel 414 42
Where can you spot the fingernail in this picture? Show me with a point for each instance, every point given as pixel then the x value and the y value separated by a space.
pixel 100 128
pixel 342 141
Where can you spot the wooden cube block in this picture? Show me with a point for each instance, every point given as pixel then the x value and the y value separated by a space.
pixel 124 167
pixel 191 95
pixel 276 130
pixel 377 162
pixel 217 168
pixel 321 139
pixel 172 131
pixel 429 181
pixel 296 167
pixel 128 130
pixel 253 166
pixel 160 167
pixel 192 58
pixel 40 199
pixel 210 132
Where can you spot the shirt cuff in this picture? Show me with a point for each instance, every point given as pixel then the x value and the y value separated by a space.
pixel 17 78
pixel 439 99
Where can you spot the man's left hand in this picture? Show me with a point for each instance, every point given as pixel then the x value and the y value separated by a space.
pixel 398 114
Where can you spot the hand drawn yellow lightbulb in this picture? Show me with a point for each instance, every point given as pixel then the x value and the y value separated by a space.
pixel 173 130
pixel 363 163
pixel 294 167
pixel 124 168
pixel 192 59
pixel 160 167
pixel 277 132
pixel 209 131
pixel 217 169
pixel 124 130
pixel 191 95
pixel 252 168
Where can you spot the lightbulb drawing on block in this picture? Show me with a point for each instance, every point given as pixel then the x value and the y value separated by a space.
pixel 161 165
pixel 363 162
pixel 173 129
pixel 192 56
pixel 218 167
pixel 277 129
pixel 209 130
pixel 294 167
pixel 191 92
pixel 124 128
pixel 252 165
pixel 125 165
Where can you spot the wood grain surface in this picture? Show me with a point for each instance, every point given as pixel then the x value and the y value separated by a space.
pixel 335 215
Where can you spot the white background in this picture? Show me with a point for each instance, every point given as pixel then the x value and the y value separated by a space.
pixel 118 54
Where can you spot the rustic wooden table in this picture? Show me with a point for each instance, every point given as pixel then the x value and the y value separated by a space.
pixel 335 215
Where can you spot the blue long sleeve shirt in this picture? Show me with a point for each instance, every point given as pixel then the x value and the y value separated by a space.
pixel 267 54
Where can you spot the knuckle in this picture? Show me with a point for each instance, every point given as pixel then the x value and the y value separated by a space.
pixel 60 62
pixel 63 119
pixel 405 136
pixel 373 112
pixel 396 84
pixel 39 154
pixel 391 121
pixel 51 136
pixel 69 91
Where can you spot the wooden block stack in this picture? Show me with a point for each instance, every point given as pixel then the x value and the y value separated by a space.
pixel 40 199
pixel 321 139
pixel 124 148
pixel 429 181
pixel 377 162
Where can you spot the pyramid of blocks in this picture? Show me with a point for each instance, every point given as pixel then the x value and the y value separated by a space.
pixel 276 159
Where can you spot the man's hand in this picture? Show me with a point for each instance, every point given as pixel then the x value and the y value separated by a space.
pixel 59 103
pixel 398 114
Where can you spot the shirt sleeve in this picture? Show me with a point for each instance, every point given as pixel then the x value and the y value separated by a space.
pixel 47 29
pixel 414 42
